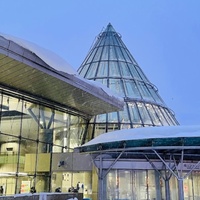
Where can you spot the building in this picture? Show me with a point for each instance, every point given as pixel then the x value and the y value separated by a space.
pixel 43 113
pixel 146 154
pixel 110 62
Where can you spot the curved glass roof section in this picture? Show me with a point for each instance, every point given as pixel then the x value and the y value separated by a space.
pixel 110 62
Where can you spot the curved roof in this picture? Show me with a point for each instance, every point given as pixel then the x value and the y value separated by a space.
pixel 28 69
pixel 164 137
pixel 46 55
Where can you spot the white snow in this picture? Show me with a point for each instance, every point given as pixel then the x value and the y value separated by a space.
pixel 146 133
pixel 56 62
pixel 50 58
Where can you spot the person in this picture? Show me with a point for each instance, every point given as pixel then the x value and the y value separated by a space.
pixel 78 186
pixel 33 190
pixel 1 190
pixel 71 189
pixel 58 189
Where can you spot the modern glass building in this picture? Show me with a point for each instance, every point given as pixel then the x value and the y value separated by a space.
pixel 110 62
pixel 43 113
pixel 140 152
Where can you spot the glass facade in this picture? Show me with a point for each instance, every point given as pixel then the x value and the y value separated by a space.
pixel 147 184
pixel 29 133
pixel 111 63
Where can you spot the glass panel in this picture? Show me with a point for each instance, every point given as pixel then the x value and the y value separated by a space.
pixel 112 117
pixel 11 115
pixel 160 115
pixel 101 118
pixel 196 183
pixel 98 54
pixel 124 69
pixel 153 115
pixel 103 81
pixel 133 71
pixel 111 184
pixel 131 57
pixel 142 76
pixel 166 116
pixel 83 70
pixel 124 118
pixel 9 157
pixel 42 183
pixel 119 54
pixel 144 114
pixel 30 121
pixel 115 41
pixel 169 114
pixel 99 129
pixel 108 40
pixel 154 94
pixel 31 147
pixel 144 91
pixel 116 86
pixel 151 185
pixel 92 55
pixel 114 69
pixel 105 53
pixel 92 70
pixel 131 89
pixel 102 69
pixel 173 188
pixel 112 54
pixel 135 117
pixel 112 127
pixel 102 41
pixel 60 131
pixel 188 187
pixel 125 55
pixel 124 185
pixel 46 121
pixel 141 182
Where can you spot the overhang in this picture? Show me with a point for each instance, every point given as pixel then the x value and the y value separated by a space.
pixel 25 72
pixel 137 142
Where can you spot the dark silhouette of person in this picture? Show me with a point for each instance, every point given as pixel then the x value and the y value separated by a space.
pixel 33 190
pixel 58 189
pixel 1 190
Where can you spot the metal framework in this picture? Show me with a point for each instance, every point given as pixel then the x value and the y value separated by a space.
pixel 110 62
pixel 162 151
pixel 173 165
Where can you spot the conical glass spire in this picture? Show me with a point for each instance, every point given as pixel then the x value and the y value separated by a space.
pixel 111 63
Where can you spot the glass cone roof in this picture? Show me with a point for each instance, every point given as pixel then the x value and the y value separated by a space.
pixel 110 62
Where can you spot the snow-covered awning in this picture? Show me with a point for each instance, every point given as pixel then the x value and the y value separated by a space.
pixel 164 137
pixel 33 71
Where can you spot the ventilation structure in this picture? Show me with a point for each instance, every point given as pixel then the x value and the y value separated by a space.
pixel 110 62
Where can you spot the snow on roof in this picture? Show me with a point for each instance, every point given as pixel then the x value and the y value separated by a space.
pixel 50 58
pixel 146 133
pixel 56 62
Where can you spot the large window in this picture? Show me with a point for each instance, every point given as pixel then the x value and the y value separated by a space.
pixel 29 133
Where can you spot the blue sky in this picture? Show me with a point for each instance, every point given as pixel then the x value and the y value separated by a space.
pixel 162 35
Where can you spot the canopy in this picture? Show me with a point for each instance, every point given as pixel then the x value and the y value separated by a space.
pixel 145 138
pixel 28 69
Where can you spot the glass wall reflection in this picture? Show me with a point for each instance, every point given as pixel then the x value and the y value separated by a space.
pixel 148 185
pixel 29 133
